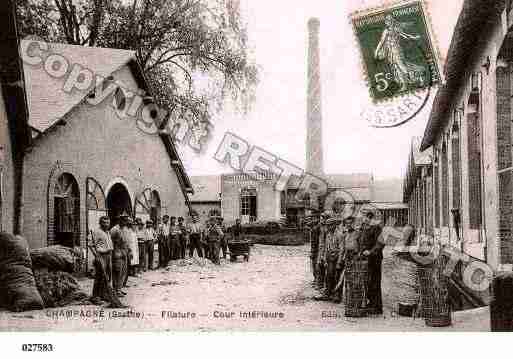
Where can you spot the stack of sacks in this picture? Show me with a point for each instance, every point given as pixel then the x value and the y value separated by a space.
pixel 18 291
pixel 53 266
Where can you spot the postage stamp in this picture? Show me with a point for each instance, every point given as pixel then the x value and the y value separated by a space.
pixel 397 49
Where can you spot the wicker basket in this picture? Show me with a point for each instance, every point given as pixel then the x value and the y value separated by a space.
pixel 434 295
pixel 355 285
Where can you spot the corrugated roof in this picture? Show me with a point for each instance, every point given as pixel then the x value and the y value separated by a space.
pixel 393 205
pixel 206 188
pixel 47 100
pixel 474 17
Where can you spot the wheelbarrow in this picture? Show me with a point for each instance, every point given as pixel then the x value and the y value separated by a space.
pixel 239 247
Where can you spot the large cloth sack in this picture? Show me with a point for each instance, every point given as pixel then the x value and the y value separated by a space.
pixel 18 291
pixel 54 258
pixel 58 288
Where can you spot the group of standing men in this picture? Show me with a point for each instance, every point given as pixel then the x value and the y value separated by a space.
pixel 123 250
pixel 128 248
pixel 335 245
pixel 177 239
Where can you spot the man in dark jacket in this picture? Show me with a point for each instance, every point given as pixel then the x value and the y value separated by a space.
pixel 373 250
pixel 237 230
pixel 314 230
pixel 214 234
pixel 182 238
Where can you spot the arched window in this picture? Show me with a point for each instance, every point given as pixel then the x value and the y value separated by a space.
pixel 66 197
pixel 148 205
pixel 95 195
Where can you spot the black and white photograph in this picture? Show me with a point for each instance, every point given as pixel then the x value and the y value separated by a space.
pixel 257 166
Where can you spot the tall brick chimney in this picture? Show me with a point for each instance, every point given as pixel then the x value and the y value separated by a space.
pixel 314 154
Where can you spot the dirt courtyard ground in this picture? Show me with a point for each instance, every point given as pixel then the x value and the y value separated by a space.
pixel 270 292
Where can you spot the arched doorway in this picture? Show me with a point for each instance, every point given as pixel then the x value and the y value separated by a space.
pixel 118 202
pixel 66 197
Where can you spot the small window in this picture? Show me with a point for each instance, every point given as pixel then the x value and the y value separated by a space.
pixel 120 99
pixel 248 202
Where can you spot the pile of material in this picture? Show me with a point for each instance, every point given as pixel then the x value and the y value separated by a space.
pixel 59 288
pixel 55 258
pixel 52 267
pixel 18 291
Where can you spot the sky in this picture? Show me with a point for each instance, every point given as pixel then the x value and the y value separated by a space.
pixel 277 31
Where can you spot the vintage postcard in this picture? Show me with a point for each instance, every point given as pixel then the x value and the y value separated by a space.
pixel 244 165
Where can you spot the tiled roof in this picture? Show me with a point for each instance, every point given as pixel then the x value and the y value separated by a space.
pixel 47 100
pixel 206 188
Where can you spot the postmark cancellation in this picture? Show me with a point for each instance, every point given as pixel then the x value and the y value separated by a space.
pixel 398 51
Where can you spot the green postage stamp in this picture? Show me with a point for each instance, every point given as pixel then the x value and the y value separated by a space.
pixel 397 49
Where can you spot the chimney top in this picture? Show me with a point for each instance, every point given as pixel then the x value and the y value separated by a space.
pixel 313 23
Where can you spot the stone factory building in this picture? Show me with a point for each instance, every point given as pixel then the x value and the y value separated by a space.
pixel 71 156
pixel 254 197
pixel 470 135
pixel 90 160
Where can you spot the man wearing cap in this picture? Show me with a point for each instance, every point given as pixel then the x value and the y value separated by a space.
pixel 321 261
pixel 163 237
pixel 174 239
pixel 237 230
pixel 330 251
pixel 151 239
pixel 214 234
pixel 195 234
pixel 373 245
pixel 223 243
pixel 102 243
pixel 314 232
pixel 350 246
pixel 204 243
pixel 141 243
pixel 182 237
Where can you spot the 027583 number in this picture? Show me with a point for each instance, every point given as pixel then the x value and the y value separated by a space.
pixel 382 81
pixel 37 347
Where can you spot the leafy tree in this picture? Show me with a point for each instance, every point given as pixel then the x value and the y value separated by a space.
pixel 194 52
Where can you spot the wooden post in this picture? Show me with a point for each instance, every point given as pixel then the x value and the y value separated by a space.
pixel 501 305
